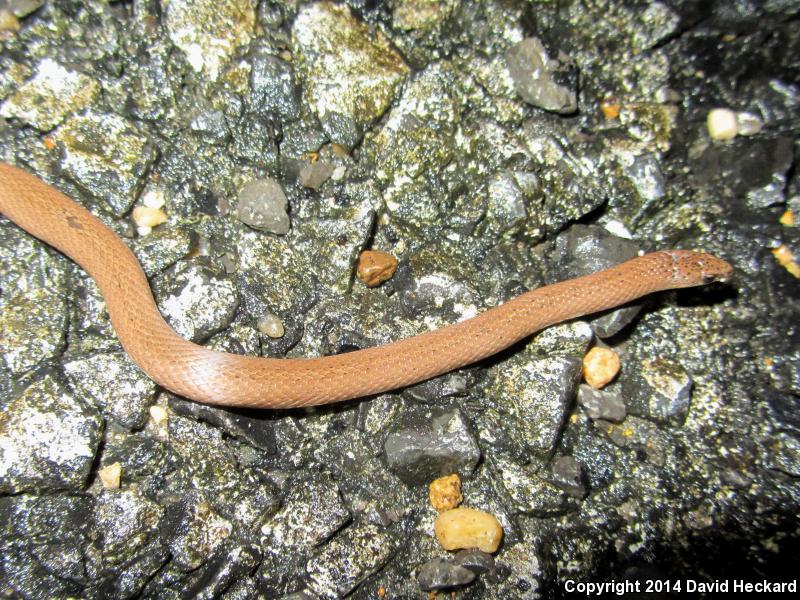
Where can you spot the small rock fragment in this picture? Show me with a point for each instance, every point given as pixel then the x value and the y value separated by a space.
pixel 375 267
pixel 661 391
pixel 445 492
pixel 145 216
pixel 111 476
pixel 600 366
pixel 722 124
pixel 749 124
pixel 610 107
pixel 440 574
pixel 567 474
pixel 476 561
pixel 468 528
pixel 262 205
pixel 536 76
pixel 786 259
pixel 314 174
pixel 271 326
pixel 599 404
pixel 8 22
pixel 159 414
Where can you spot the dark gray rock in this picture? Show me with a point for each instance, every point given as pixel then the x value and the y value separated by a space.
pixel 429 444
pixel 48 439
pixel 602 404
pixel 348 559
pixel 212 125
pixel 161 248
pixel 567 474
pixel 438 574
pixel 106 156
pixel 273 88
pixel 245 426
pixel 115 377
pixel 586 249
pixel 476 561
pixel 196 299
pixel 661 390
pixel 127 521
pixel 527 493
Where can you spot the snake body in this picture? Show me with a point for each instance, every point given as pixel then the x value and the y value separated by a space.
pixel 204 375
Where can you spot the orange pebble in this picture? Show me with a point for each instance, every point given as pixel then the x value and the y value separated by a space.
pixel 600 366
pixel 610 108
pixel 445 492
pixel 375 267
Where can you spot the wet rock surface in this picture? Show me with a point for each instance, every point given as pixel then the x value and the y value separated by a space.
pixel 418 128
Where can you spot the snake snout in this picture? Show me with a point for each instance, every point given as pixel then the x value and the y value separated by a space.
pixel 698 268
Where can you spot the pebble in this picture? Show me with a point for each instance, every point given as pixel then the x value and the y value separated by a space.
pixel 375 267
pixel 439 574
pixel 600 366
pixel 158 414
pixel 610 107
pixel 445 492
pixel 476 561
pixel 314 174
pixel 262 205
pixel 722 124
pixel 154 198
pixel 599 404
pixel 271 326
pixel 463 527
pixel 749 124
pixel 786 259
pixel 145 216
pixel 8 22
pixel 111 476
pixel 567 474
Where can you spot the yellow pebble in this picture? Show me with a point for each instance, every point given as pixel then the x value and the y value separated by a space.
pixel 111 476
pixel 600 366
pixel 468 528
pixel 787 218
pixel 786 259
pixel 445 492
pixel 722 124
pixel 145 216
pixel 8 21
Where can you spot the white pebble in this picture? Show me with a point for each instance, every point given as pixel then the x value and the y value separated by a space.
pixel 144 216
pixel 749 124
pixel 339 173
pixel 722 124
pixel 154 198
pixel 158 414
pixel 144 230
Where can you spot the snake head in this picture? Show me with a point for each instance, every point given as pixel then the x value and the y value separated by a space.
pixel 690 268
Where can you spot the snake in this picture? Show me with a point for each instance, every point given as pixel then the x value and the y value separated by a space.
pixel 219 378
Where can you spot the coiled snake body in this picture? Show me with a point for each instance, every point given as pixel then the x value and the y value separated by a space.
pixel 219 378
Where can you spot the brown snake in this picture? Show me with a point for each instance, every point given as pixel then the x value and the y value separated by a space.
pixel 213 377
